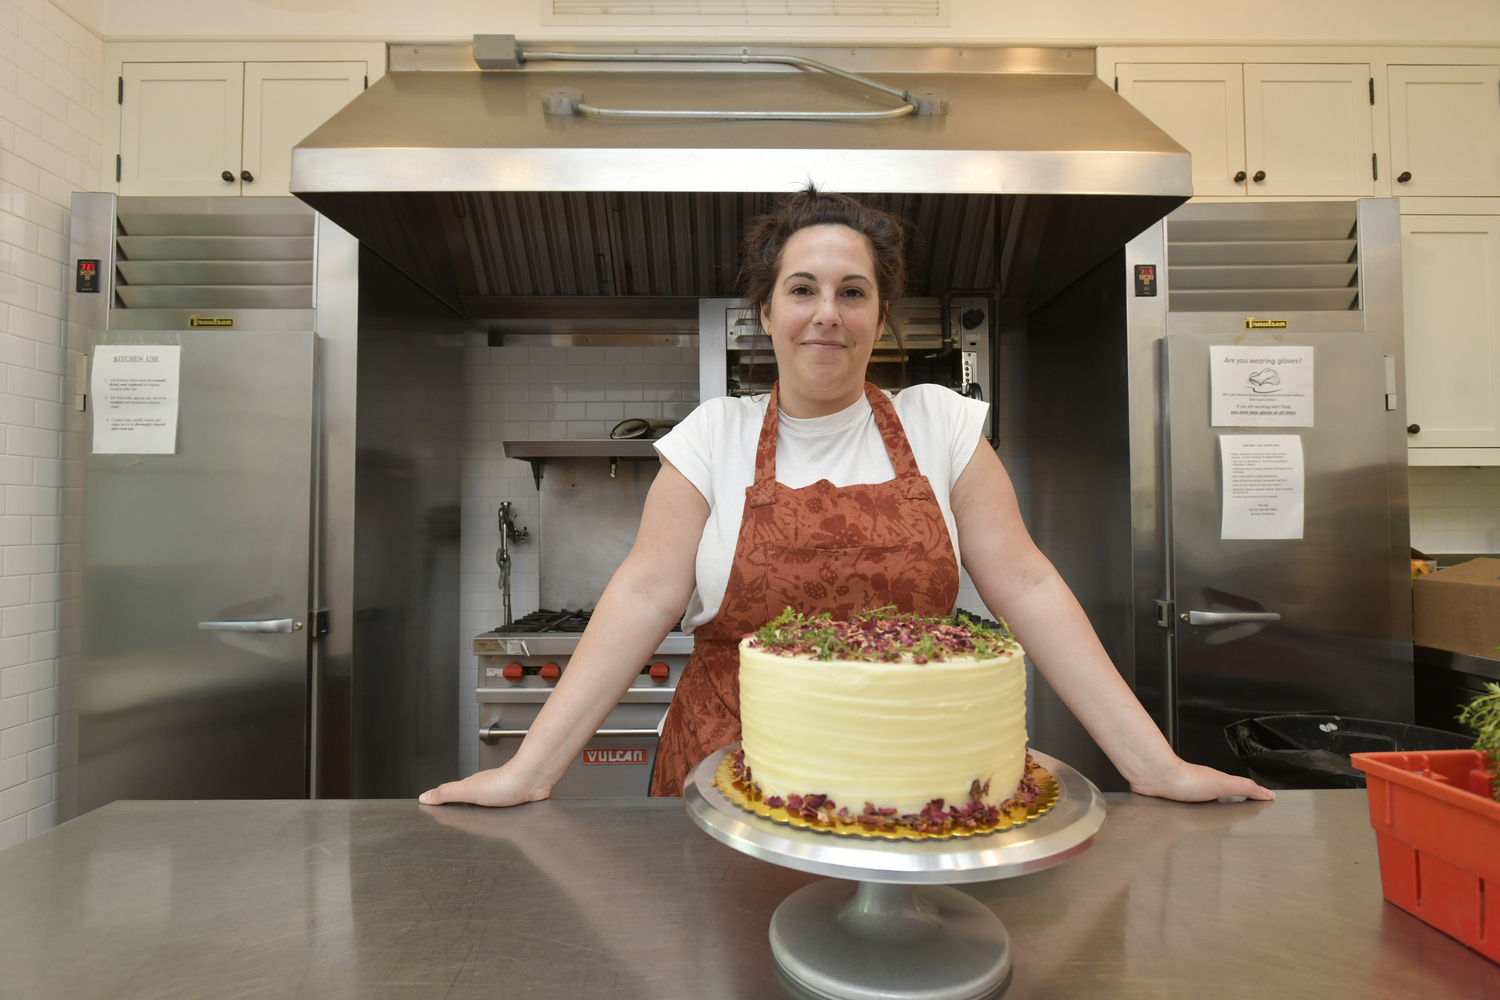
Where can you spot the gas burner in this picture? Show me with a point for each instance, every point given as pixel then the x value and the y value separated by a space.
pixel 546 620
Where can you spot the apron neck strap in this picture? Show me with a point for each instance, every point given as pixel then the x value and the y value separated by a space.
pixel 891 433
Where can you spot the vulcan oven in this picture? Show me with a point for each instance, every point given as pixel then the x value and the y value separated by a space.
pixel 521 663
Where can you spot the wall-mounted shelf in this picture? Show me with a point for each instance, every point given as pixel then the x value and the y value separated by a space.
pixel 537 452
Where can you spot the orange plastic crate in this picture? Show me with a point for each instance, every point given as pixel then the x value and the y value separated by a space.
pixel 1438 832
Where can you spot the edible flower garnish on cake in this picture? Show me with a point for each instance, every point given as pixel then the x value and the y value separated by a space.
pixel 883 635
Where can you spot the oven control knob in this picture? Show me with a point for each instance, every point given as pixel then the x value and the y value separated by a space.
pixel 659 672
pixel 550 672
pixel 513 673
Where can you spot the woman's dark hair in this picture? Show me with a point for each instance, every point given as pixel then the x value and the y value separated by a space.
pixel 766 239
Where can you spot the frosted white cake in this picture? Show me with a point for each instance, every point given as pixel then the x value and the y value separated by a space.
pixel 878 714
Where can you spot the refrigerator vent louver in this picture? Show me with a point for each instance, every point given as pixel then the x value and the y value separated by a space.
pixel 173 260
pixel 1260 259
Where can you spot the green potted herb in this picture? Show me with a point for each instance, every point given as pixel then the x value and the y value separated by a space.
pixel 1483 716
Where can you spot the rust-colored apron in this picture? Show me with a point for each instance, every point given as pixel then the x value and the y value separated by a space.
pixel 839 549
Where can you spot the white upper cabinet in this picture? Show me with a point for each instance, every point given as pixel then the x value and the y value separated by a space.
pixel 180 127
pixel 1450 266
pixel 224 128
pixel 1202 106
pixel 1307 129
pixel 1445 130
pixel 1264 129
pixel 284 103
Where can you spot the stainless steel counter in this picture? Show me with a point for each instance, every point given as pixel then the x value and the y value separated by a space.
pixel 626 898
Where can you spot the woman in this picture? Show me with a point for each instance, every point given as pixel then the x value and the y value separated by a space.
pixel 826 496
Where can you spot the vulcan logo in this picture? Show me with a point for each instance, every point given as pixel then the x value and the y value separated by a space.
pixel 635 755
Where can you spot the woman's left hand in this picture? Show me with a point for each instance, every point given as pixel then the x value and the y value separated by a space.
pixel 1195 783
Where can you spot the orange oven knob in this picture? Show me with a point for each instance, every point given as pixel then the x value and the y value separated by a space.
pixel 513 672
pixel 550 672
pixel 659 672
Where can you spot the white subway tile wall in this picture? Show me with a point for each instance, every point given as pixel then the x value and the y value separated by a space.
pixel 538 392
pixel 1455 509
pixel 50 145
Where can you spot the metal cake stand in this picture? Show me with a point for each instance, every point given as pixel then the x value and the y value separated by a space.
pixel 900 933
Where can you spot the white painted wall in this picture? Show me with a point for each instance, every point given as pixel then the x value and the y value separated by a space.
pixel 1471 22
pixel 50 134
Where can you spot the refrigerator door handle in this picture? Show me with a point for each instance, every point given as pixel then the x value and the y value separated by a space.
pixel 268 625
pixel 1230 617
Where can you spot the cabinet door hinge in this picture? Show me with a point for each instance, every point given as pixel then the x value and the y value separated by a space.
pixel 367 81
pixel 1372 90
pixel 120 99
pixel 1164 614
pixel 1374 166
pixel 117 168
pixel 1117 84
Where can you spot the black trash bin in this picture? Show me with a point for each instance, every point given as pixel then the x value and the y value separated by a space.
pixel 1312 751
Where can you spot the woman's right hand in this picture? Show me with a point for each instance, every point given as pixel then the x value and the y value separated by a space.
pixel 499 786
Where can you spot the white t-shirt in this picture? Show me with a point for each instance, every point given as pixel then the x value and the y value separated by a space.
pixel 715 449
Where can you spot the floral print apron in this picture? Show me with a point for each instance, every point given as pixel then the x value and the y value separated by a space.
pixel 821 548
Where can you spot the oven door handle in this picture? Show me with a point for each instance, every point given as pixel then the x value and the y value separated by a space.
pixel 494 734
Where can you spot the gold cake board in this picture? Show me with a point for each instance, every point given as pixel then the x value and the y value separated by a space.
pixel 1017 815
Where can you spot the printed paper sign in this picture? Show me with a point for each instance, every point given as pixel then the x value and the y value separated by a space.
pixel 1261 386
pixel 135 399
pixel 1264 487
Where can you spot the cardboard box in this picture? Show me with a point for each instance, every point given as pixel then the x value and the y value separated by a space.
pixel 1458 608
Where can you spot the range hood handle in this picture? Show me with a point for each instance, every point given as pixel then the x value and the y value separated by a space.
pixel 921 102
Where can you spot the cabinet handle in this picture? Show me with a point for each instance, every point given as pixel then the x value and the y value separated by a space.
pixel 1403 177
pixel 1413 428
pixel 227 176
pixel 246 175
pixel 1239 178
pixel 1260 175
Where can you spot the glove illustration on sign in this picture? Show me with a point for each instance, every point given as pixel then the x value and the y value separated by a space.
pixel 1264 381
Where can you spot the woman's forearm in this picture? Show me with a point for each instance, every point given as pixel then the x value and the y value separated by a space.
pixel 623 632
pixel 1061 643
pixel 643 601
pixel 1015 580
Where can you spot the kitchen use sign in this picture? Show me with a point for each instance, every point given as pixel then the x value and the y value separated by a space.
pixel 1261 386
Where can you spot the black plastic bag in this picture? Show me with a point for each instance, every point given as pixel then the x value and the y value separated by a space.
pixel 1312 751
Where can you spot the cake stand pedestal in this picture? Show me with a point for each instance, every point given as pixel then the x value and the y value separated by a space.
pixel 899 933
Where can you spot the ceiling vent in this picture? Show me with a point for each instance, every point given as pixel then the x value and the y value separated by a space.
pixel 741 12
pixel 1262 258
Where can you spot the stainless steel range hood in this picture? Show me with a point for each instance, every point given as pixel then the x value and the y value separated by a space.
pixel 460 178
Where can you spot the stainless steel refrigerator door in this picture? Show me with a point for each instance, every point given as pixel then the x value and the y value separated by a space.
pixel 1331 650
pixel 194 646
